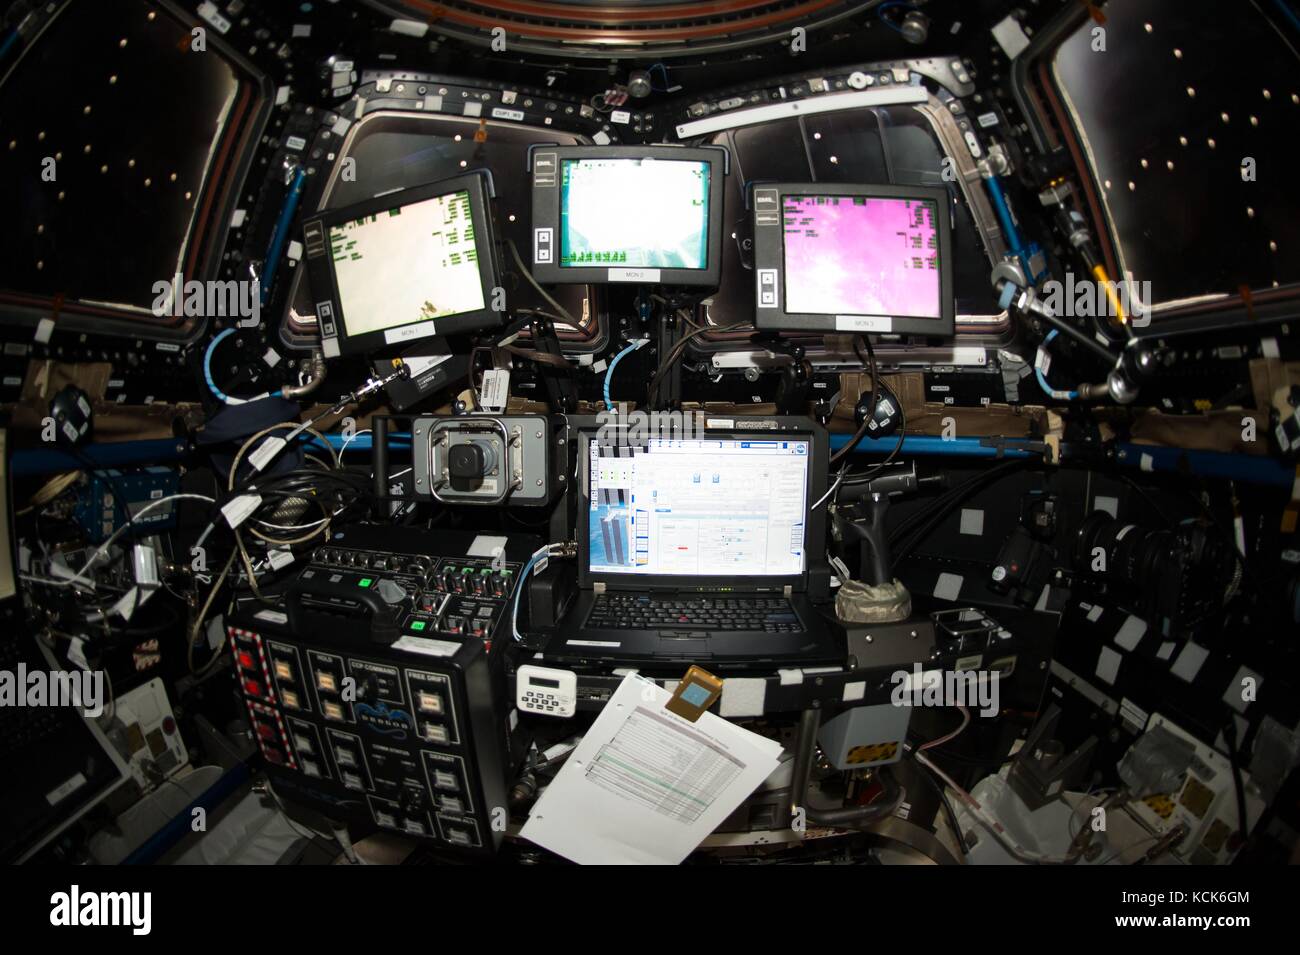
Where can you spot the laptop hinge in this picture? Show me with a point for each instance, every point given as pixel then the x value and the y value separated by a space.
pixel 598 586
pixel 788 590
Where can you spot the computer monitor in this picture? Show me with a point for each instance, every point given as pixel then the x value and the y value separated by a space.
pixel 852 258
pixel 405 266
pixel 648 214
pixel 711 509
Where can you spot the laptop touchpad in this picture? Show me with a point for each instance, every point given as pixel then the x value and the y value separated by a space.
pixel 677 643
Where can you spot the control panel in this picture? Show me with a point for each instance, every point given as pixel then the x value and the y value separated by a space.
pixel 407 738
pixel 389 583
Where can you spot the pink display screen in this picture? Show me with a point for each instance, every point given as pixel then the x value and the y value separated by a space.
pixel 859 255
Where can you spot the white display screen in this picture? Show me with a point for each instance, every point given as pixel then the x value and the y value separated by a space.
pixel 634 213
pixel 413 263
pixel 731 507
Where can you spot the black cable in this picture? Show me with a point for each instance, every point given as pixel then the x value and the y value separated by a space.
pixel 978 762
pixel 1150 501
pixel 912 520
pixel 526 274
pixel 872 471
pixel 676 352
pixel 966 490
pixel 875 397
pixel 937 785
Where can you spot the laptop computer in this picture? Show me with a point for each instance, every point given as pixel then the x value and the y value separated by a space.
pixel 695 543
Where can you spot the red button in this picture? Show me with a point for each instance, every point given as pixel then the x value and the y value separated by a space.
pixel 168 725
pixel 245 660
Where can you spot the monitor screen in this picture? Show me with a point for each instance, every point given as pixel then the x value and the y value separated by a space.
pixel 634 213
pixel 848 255
pixel 412 263
pixel 729 507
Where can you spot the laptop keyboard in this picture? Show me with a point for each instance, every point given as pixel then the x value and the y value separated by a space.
pixel 25 728
pixel 650 612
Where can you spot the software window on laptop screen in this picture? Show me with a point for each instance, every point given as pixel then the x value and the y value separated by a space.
pixel 703 507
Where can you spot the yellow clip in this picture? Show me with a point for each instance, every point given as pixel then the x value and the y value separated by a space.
pixel 1112 293
pixel 695 694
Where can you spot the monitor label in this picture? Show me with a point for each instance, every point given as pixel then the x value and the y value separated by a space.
pixel 634 275
pixel 409 333
pixel 863 323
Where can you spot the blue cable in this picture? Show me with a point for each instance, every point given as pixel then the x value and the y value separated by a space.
pixel 9 43
pixel 1047 389
pixel 221 396
pixel 609 372
pixel 663 71
pixel 1042 379
pixel 281 230
pixel 880 12
pixel 1004 218
pixel 1287 12
pixel 934 445
pixel 217 339
pixel 519 589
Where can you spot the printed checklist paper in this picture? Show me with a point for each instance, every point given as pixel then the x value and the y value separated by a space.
pixel 645 787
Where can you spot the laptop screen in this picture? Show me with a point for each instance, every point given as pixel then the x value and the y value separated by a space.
pixel 714 507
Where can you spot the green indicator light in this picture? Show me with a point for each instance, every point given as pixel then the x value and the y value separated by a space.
pixel 364 582
pixel 418 625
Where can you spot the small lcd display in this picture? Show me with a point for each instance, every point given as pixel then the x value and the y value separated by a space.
pixel 860 255
pixel 634 213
